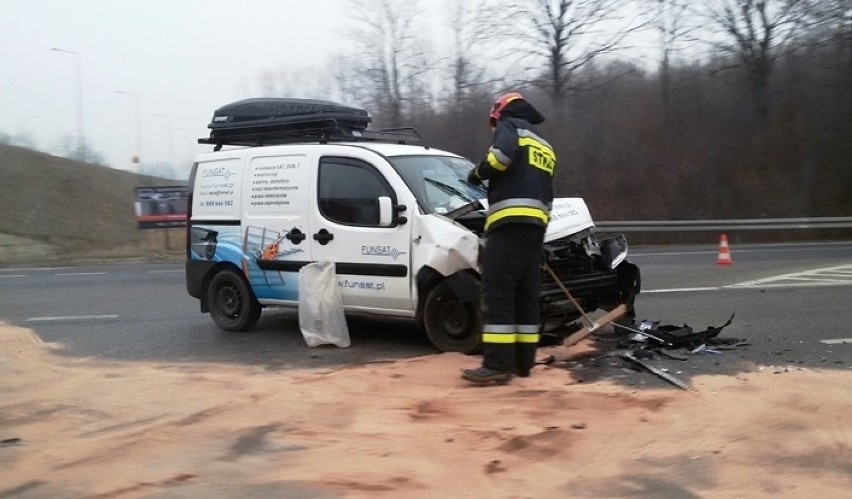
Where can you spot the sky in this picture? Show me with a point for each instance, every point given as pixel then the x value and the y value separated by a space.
pixel 153 71
pixel 180 60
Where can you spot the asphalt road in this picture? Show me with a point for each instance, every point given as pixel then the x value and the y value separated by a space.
pixel 791 304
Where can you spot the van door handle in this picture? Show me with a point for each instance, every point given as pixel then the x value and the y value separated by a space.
pixel 295 236
pixel 323 236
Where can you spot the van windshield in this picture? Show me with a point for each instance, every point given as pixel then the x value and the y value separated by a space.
pixel 439 182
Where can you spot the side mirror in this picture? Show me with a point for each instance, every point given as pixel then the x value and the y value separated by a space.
pixel 389 213
pixel 385 211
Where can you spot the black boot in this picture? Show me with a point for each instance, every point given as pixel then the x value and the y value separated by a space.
pixel 486 376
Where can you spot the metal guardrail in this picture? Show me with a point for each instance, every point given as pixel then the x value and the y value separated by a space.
pixel 731 225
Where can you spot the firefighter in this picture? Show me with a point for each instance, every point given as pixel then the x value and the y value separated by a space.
pixel 519 169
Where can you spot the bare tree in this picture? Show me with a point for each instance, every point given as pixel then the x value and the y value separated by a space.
pixel 291 81
pixel 756 32
pixel 829 23
pixel 345 74
pixel 84 152
pixel 468 23
pixel 675 28
pixel 391 62
pixel 557 37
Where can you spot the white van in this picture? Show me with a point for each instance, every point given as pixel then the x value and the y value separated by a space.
pixel 295 181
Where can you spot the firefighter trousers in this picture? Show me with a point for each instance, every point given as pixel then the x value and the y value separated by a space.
pixel 511 285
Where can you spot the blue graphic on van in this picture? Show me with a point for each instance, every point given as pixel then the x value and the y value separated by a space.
pixel 219 243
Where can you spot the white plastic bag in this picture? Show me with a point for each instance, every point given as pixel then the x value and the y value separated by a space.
pixel 321 316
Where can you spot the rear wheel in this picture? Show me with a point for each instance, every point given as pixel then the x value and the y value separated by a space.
pixel 232 304
pixel 451 325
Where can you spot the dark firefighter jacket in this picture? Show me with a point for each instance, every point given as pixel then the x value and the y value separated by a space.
pixel 519 168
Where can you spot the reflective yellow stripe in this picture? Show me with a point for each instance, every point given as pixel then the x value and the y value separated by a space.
pixel 540 156
pixel 518 211
pixel 512 96
pixel 528 337
pixel 504 338
pixel 495 163
pixel 529 141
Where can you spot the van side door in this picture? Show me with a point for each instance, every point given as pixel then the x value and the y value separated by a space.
pixel 373 261
pixel 275 222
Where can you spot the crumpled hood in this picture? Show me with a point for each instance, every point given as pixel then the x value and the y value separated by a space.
pixel 568 216
pixel 450 247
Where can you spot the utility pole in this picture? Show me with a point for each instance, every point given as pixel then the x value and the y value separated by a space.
pixel 81 140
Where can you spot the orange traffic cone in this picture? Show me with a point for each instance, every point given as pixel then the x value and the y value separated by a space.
pixel 724 257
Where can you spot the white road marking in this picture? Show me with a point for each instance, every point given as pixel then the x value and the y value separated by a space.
pixel 838 341
pixel 789 285
pixel 165 271
pixel 24 269
pixel 12 276
pixel 70 318
pixel 83 273
pixel 674 253
pixel 829 276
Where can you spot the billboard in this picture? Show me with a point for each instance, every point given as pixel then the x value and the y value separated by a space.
pixel 161 206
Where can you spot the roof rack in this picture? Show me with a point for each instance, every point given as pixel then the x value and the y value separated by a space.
pixel 257 122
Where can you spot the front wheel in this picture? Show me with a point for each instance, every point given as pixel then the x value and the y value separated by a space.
pixel 451 325
pixel 232 304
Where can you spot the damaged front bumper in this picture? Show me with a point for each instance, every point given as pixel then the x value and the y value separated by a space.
pixel 597 275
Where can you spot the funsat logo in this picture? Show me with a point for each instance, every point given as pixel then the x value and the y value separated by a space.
pixel 225 173
pixel 390 251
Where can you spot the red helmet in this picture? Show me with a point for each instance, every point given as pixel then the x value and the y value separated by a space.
pixel 500 104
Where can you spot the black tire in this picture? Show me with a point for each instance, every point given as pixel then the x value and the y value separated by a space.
pixel 232 304
pixel 451 325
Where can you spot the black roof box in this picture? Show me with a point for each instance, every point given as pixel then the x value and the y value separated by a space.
pixel 260 112
pixel 262 121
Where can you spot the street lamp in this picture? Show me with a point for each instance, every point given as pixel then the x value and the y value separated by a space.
pixel 187 141
pixel 171 139
pixel 81 142
pixel 138 157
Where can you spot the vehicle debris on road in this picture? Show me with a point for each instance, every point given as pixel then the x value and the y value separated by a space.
pixel 659 372
pixel 637 343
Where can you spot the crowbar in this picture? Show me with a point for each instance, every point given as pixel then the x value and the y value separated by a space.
pixel 593 325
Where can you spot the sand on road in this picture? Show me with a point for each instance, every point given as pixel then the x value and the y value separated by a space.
pixel 73 427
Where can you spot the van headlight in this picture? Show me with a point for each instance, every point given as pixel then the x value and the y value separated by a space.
pixel 614 251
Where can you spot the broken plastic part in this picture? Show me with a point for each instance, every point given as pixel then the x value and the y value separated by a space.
pixel 659 372
pixel 647 325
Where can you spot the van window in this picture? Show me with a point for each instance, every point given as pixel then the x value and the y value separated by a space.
pixel 438 182
pixel 349 191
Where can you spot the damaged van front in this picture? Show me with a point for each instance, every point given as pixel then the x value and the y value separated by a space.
pixel 448 238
